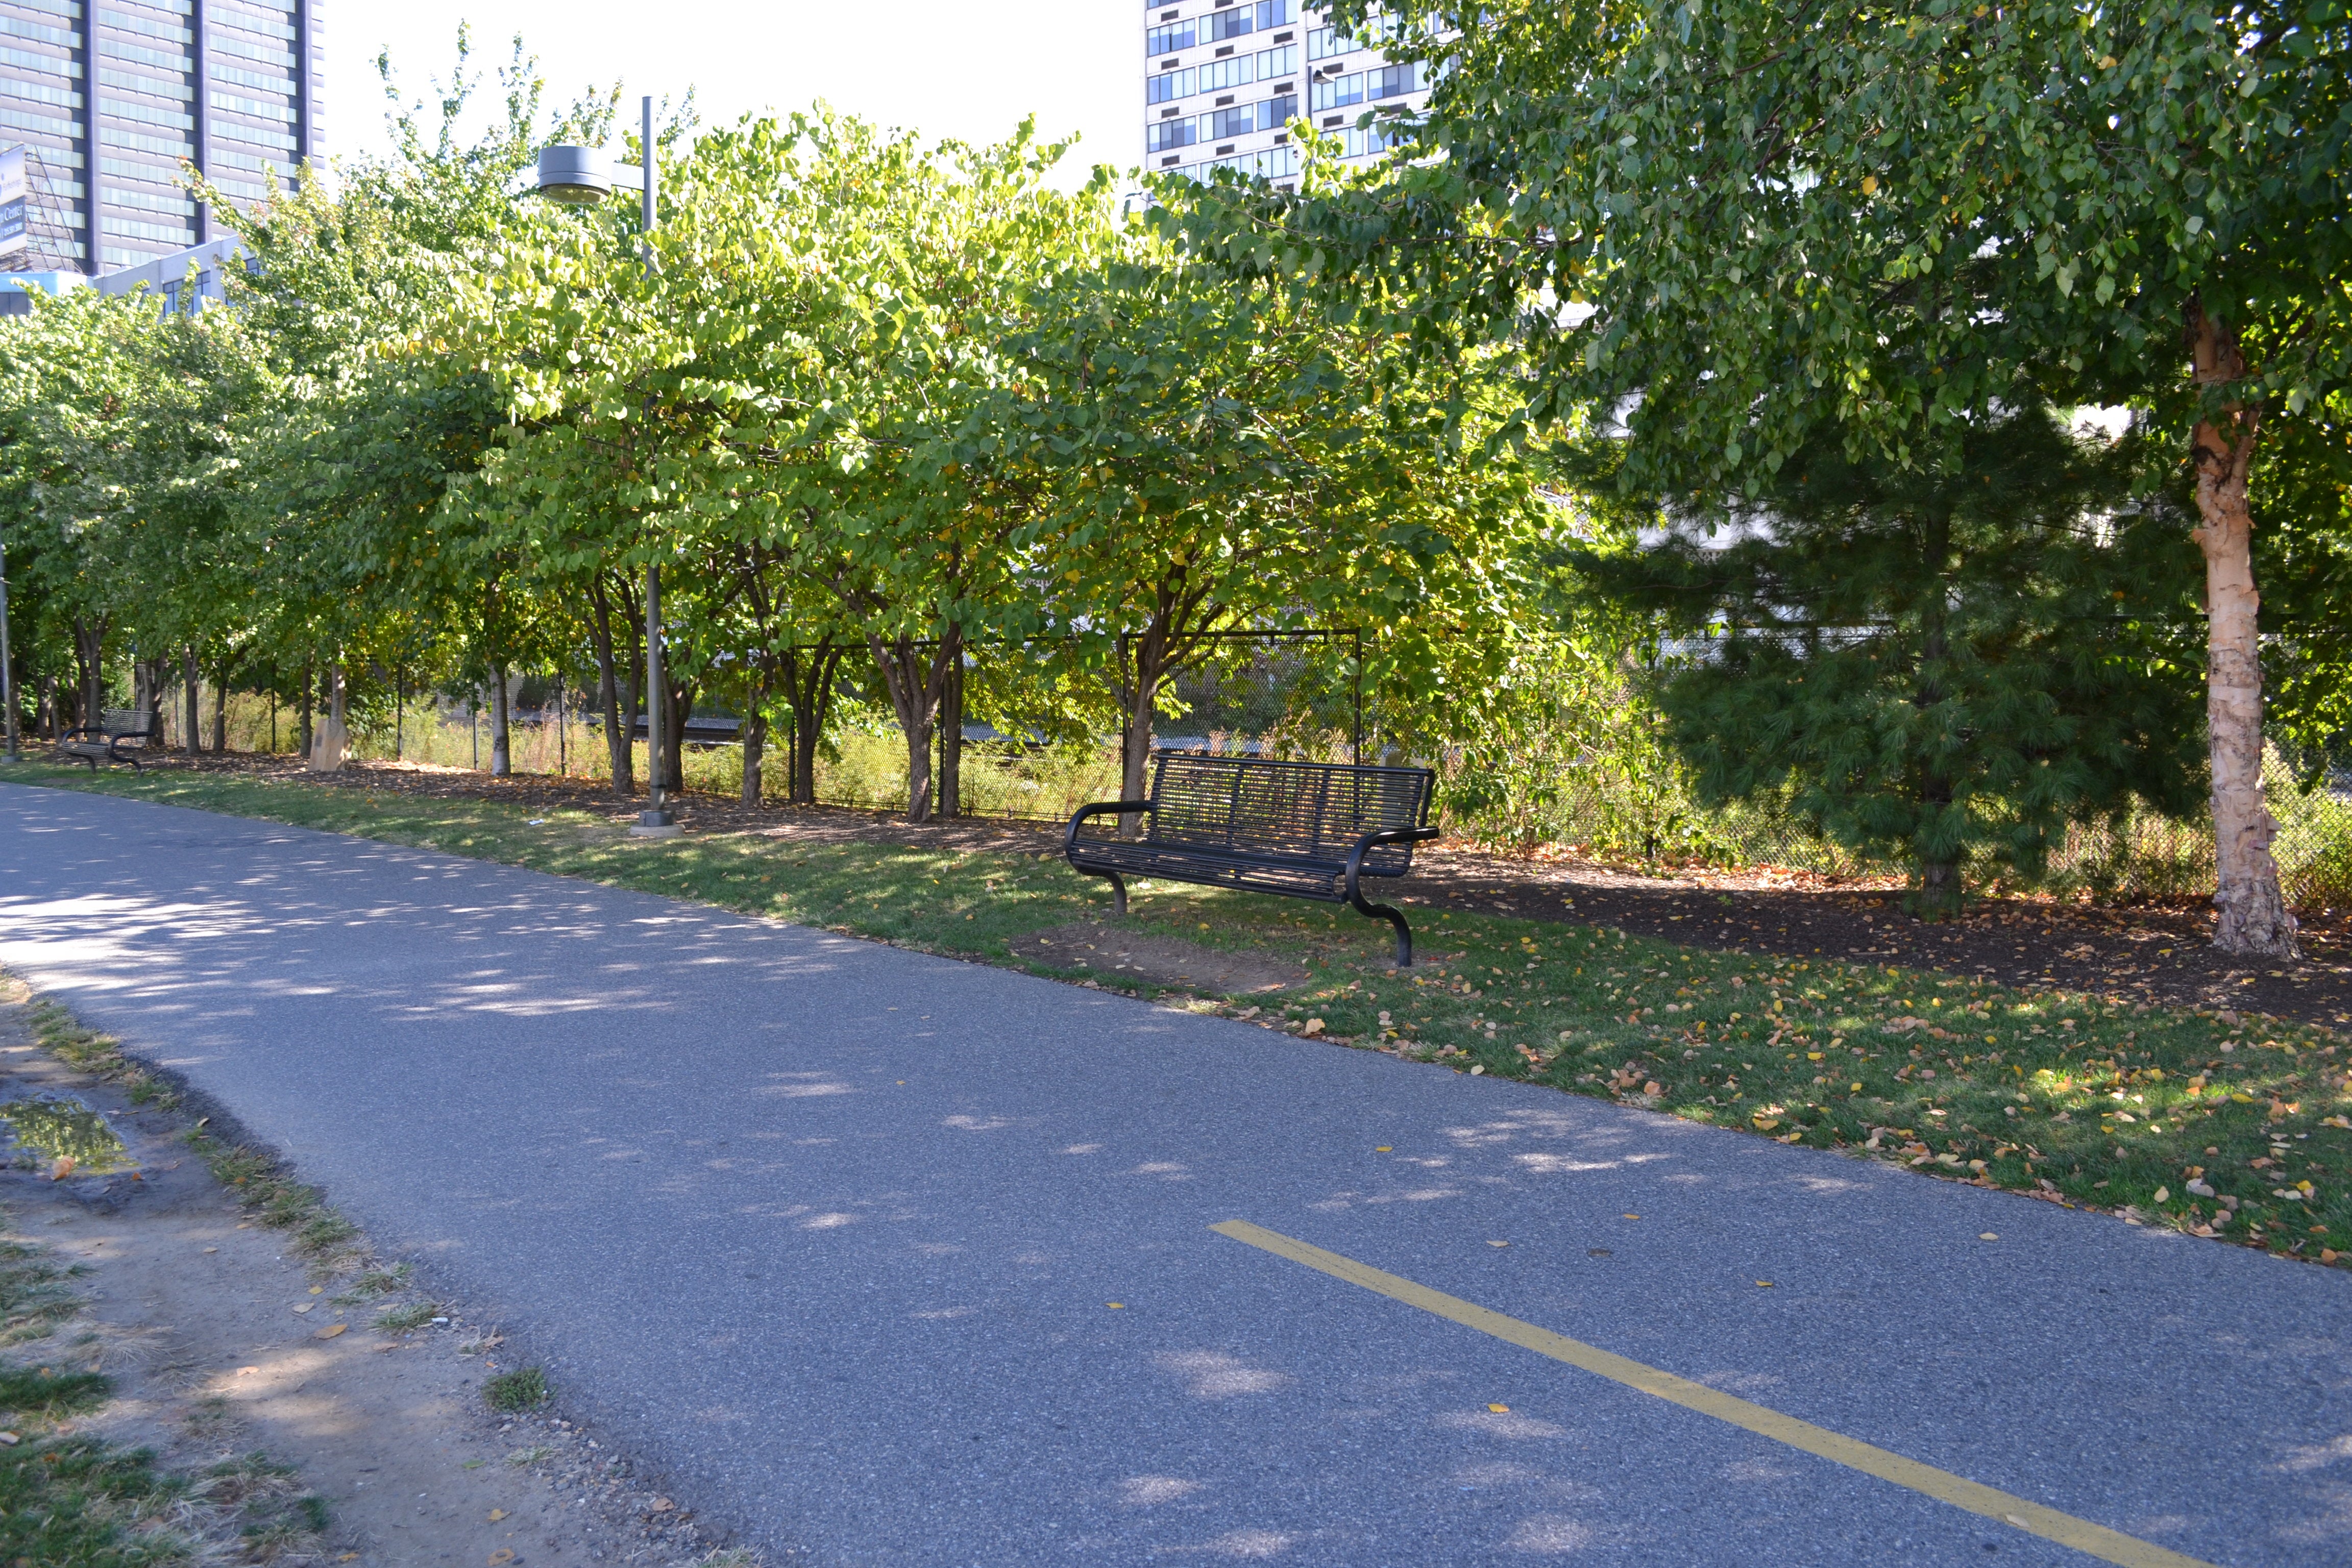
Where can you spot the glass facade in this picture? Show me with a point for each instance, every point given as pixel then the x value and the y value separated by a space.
pixel 1365 87
pixel 1224 80
pixel 110 95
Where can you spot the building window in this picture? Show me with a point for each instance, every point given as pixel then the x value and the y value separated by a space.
pixel 1168 40
pixel 1170 86
pixel 1359 86
pixel 1169 133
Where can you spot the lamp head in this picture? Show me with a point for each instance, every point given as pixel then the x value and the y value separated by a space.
pixel 575 176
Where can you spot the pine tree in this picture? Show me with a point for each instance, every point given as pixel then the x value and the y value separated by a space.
pixel 1948 664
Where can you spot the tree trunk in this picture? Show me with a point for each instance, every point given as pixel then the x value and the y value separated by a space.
pixel 755 745
pixel 327 747
pixel 195 696
pixel 915 684
pixel 302 736
pixel 220 709
pixel 616 681
pixel 89 653
pixel 2253 917
pixel 951 743
pixel 501 729
pixel 811 692
pixel 1143 664
pixel 677 704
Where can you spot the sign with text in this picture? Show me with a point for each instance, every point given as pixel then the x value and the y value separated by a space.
pixel 12 201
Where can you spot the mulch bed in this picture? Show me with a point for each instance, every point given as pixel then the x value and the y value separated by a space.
pixel 2147 952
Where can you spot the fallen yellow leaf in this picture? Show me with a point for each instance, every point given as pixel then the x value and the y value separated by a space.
pixel 1764 1285
pixel 1116 1306
pixel 497 1514
pixel 331 1330
pixel 501 1557
pixel 1989 1235
pixel 1384 1149
pixel 1500 1409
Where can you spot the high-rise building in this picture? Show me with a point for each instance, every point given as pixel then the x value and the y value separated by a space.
pixel 108 96
pixel 1222 79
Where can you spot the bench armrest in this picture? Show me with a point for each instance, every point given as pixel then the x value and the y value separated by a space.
pixel 1371 841
pixel 1100 808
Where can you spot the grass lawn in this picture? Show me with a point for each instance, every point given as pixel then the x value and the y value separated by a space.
pixel 2208 1123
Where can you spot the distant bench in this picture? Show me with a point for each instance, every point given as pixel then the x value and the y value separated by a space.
pixel 1302 830
pixel 104 741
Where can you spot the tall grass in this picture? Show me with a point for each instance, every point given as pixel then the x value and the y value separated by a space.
pixel 1619 806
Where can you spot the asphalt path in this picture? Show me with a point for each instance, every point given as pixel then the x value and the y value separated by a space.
pixel 828 1232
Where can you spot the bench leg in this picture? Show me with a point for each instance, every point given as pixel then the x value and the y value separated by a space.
pixel 1403 931
pixel 1117 893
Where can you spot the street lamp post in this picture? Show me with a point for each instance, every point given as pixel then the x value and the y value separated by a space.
pixel 579 176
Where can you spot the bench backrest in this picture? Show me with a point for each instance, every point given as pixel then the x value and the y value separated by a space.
pixel 127 721
pixel 1315 810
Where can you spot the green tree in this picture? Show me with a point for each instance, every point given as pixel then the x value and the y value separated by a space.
pixel 1942 666
pixel 356 505
pixel 1732 223
pixel 1231 458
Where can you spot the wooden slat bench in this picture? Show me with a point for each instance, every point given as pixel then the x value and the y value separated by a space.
pixel 1302 830
pixel 105 742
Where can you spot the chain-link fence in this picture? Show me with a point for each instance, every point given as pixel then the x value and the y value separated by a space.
pixel 2145 855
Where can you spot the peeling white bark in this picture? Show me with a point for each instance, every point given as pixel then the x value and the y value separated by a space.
pixel 2254 914
pixel 327 744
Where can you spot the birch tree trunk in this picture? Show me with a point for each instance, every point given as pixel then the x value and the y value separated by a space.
pixel 2254 914
pixel 327 746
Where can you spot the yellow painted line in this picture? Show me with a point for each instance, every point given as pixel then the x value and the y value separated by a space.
pixel 2096 1540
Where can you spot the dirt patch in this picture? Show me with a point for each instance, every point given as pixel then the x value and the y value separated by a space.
pixel 222 1342
pixel 1126 953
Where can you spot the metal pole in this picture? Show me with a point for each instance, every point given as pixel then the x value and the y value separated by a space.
pixel 1360 697
pixel 7 671
pixel 646 211
pixel 656 821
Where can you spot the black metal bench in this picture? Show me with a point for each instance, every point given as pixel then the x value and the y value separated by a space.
pixel 104 741
pixel 1303 830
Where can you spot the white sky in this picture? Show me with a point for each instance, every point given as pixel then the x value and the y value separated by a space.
pixel 945 70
